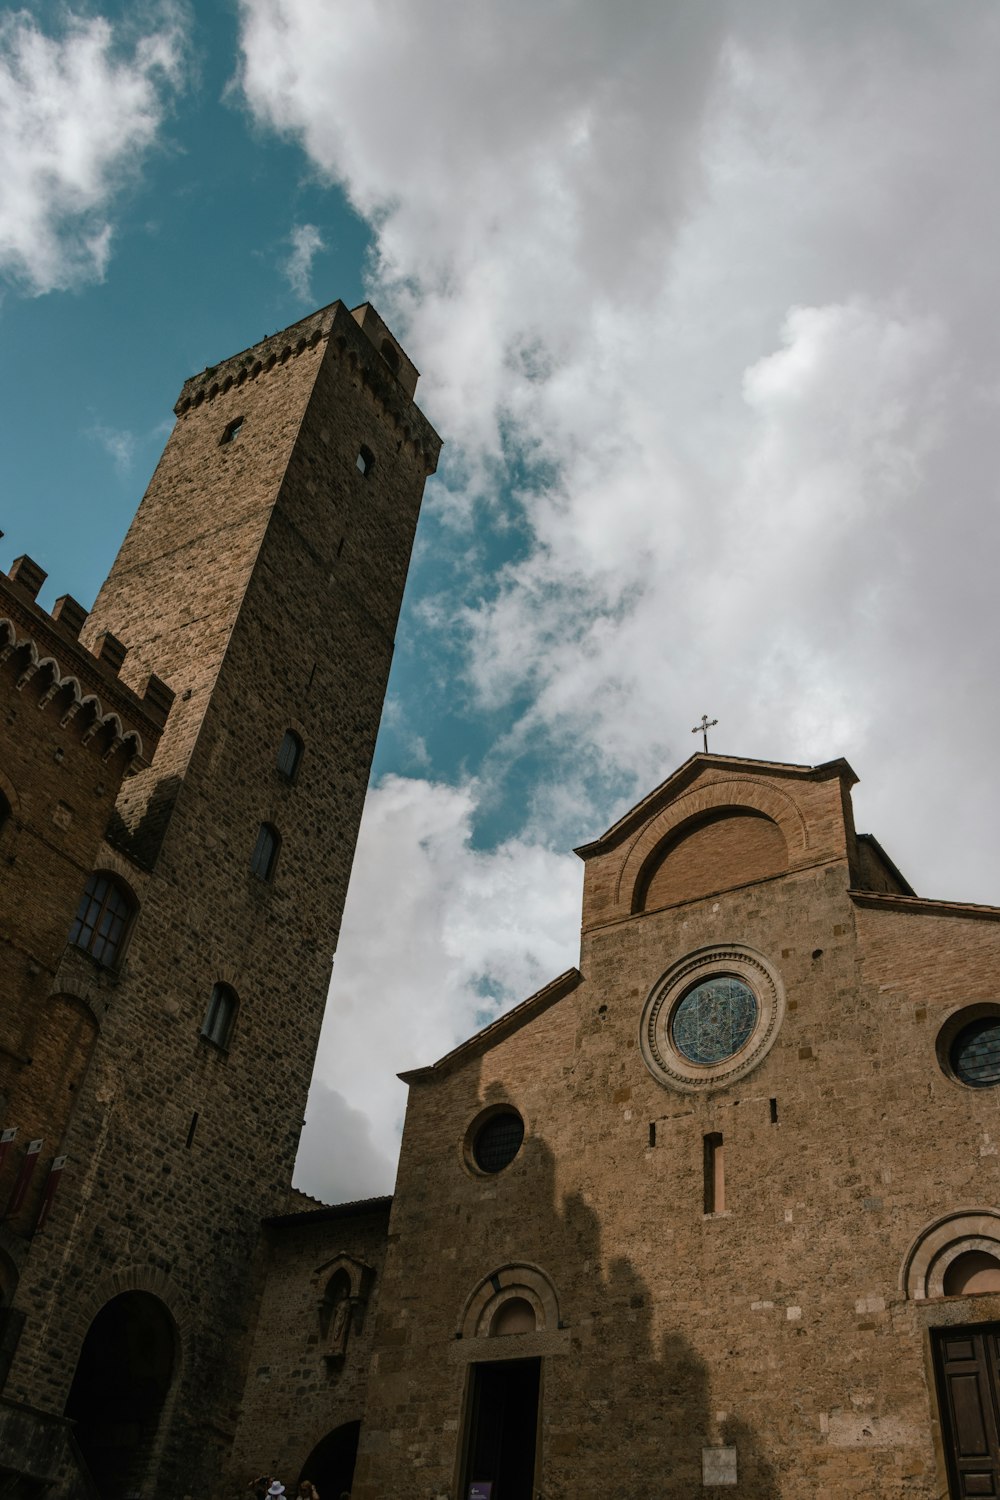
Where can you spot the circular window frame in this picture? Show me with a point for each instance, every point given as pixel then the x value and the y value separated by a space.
pixel 477 1124
pixel 948 1034
pixel 664 1060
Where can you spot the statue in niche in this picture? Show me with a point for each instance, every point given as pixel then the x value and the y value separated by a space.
pixel 338 1305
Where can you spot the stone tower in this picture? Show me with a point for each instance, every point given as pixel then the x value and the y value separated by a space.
pixel 261 579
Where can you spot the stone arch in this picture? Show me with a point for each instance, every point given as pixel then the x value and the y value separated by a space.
pixel 738 793
pixel 514 1281
pixel 124 1387
pixel 940 1243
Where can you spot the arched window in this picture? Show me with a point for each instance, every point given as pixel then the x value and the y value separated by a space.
pixel 220 1017
pixel 103 918
pixel 265 854
pixel 365 460
pixel 390 355
pixel 289 755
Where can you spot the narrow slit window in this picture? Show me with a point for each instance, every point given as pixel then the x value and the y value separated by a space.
pixel 289 755
pixel 715 1174
pixel 365 460
pixel 231 431
pixel 774 1111
pixel 220 1017
pixel 265 854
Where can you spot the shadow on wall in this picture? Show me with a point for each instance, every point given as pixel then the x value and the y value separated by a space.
pixel 627 1405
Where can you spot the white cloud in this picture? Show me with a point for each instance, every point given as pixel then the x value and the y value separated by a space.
pixel 307 242
pixel 76 116
pixel 437 938
pixel 117 443
pixel 726 275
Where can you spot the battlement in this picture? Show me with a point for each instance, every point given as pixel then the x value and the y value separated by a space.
pixel 362 337
pixel 47 650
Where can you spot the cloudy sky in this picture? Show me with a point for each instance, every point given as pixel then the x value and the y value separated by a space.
pixel 704 296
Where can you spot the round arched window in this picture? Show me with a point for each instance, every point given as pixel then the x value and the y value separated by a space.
pixel 496 1142
pixel 974 1054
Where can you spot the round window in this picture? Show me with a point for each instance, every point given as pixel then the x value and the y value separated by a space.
pixel 975 1053
pixel 714 1019
pixel 497 1141
pixel 711 1018
pixel 968 1045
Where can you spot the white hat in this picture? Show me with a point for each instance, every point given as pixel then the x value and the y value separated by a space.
pixel 277 1488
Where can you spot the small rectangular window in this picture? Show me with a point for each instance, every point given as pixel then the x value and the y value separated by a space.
pixel 715 1175
pixel 232 430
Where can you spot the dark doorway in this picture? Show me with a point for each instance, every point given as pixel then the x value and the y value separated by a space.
pixel 330 1465
pixel 121 1382
pixel 503 1422
pixel 967 1363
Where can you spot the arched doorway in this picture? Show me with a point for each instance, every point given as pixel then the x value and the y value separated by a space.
pixel 330 1465
pixel 121 1382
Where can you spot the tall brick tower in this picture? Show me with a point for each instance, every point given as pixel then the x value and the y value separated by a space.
pixel 261 579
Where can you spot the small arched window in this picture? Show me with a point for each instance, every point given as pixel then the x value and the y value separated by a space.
pixel 102 919
pixel 289 755
pixel 390 354
pixel 265 854
pixel 365 460
pixel 220 1018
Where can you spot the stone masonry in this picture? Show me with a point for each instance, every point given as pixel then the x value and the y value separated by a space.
pixel 261 579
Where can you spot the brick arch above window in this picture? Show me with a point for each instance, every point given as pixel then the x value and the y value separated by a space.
pixel 939 1245
pixel 510 1283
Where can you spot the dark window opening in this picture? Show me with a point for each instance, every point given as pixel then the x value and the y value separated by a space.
pixel 498 1141
pixel 715 1175
pixel 365 459
pixel 774 1111
pixel 265 854
pixel 4 809
pixel 102 919
pixel 232 430
pixel 220 1017
pixel 289 755
pixel 390 355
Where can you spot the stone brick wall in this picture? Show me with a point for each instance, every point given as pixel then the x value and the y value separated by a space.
pixel 780 1326
pixel 262 577
pixel 297 1391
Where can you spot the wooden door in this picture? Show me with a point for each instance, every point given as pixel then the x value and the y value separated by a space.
pixel 967 1362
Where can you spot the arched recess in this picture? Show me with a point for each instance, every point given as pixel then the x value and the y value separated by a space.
pixel 711 852
pixel 483 1315
pixel 929 1268
pixel 732 796
pixel 60 1045
pixel 124 1375
pixel 346 1286
pixel 330 1465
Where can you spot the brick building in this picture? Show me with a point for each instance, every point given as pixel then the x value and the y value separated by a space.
pixel 719 1208
pixel 171 891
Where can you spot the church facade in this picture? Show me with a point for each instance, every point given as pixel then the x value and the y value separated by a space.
pixel 182 773
pixel 717 1209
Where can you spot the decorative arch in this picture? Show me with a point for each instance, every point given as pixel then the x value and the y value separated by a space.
pixel 347 1284
pixel 515 1281
pixel 940 1243
pixel 733 793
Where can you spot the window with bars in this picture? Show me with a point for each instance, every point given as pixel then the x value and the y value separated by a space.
pixel 498 1141
pixel 102 919
pixel 220 1018
pixel 265 853
pixel 289 755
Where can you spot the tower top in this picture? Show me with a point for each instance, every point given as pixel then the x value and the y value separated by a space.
pixel 362 334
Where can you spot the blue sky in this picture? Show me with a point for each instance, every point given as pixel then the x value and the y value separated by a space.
pixel 703 296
